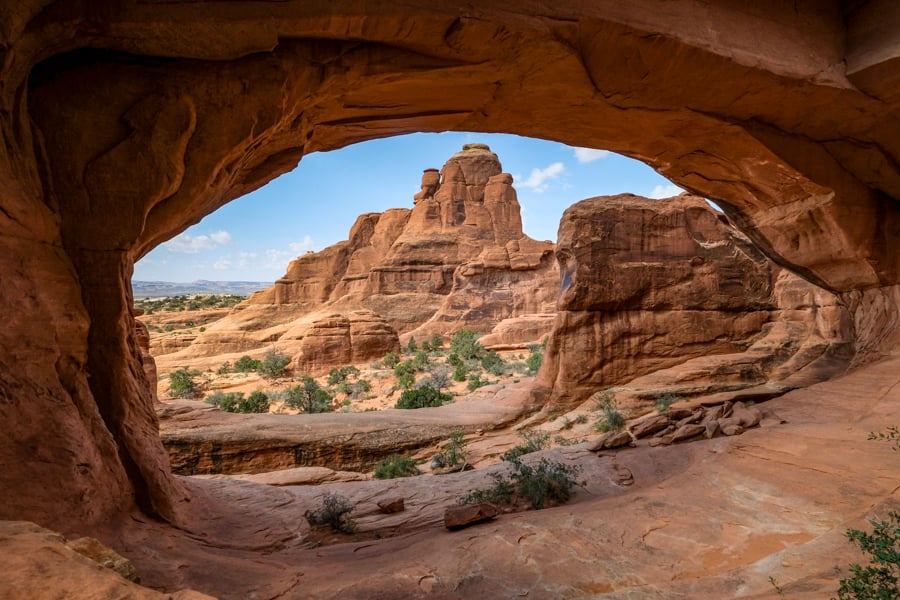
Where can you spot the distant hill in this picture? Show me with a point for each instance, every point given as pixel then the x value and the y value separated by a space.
pixel 154 289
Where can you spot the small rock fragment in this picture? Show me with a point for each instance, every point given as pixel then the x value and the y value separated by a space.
pixel 649 426
pixel 106 557
pixel 686 432
pixel 458 517
pixel 391 505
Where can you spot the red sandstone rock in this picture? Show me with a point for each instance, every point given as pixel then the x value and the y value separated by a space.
pixel 648 286
pixel 459 517
pixel 391 505
pixel 338 340
pixel 187 109
pixel 687 431
pixel 457 259
pixel 649 426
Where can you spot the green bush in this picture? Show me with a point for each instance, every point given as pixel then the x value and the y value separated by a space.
pixel 475 382
pixel 411 345
pixel 665 401
pixel 335 512
pixel 390 360
pixel 454 453
pixel 309 397
pixel 224 369
pixel 499 493
pixel 545 484
pixel 405 373
pixel 460 372
pixel 437 341
pixel 465 345
pixel 182 383
pixel 234 402
pixel 245 364
pixel 610 418
pixel 396 465
pixel 493 363
pixel 879 579
pixel 422 397
pixel 534 362
pixel 273 365
pixel 354 390
pixel 225 401
pixel 533 441
pixel 258 402
pixel 341 374
pixel 420 361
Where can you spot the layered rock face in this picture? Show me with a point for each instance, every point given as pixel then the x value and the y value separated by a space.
pixel 650 284
pixel 344 340
pixel 123 127
pixel 457 259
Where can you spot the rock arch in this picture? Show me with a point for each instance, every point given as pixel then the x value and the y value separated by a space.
pixel 123 126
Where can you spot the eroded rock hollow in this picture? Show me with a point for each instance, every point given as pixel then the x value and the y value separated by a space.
pixel 123 126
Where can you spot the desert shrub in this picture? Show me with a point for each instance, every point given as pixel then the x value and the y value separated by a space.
pixel 465 345
pixel 610 417
pixel 475 382
pixel 545 484
pixel 341 374
pixel 335 512
pixel 390 360
pixel 493 363
pixel 396 465
pixel 532 441
pixel 879 579
pixel 273 365
pixel 891 435
pixel 245 364
pixel 182 383
pixel 224 369
pixel 439 377
pixel 499 493
pixel 454 453
pixel 421 397
pixel 405 373
pixel 226 401
pixel 665 401
pixel 411 345
pixel 354 390
pixel 309 397
pixel 534 362
pixel 234 402
pixel 460 372
pixel 420 360
pixel 437 341
pixel 258 402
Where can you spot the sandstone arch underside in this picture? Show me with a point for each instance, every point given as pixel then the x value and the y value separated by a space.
pixel 124 123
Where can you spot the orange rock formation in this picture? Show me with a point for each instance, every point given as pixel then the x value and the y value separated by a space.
pixel 457 259
pixel 125 123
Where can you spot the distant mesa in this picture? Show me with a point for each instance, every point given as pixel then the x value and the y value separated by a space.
pixel 458 258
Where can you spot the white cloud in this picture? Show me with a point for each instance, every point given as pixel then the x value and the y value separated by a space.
pixel 188 244
pixel 665 191
pixel 221 237
pixel 223 264
pixel 276 259
pixel 586 155
pixel 303 245
pixel 538 178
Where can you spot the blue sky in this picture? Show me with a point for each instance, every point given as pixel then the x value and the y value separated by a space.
pixel 254 237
